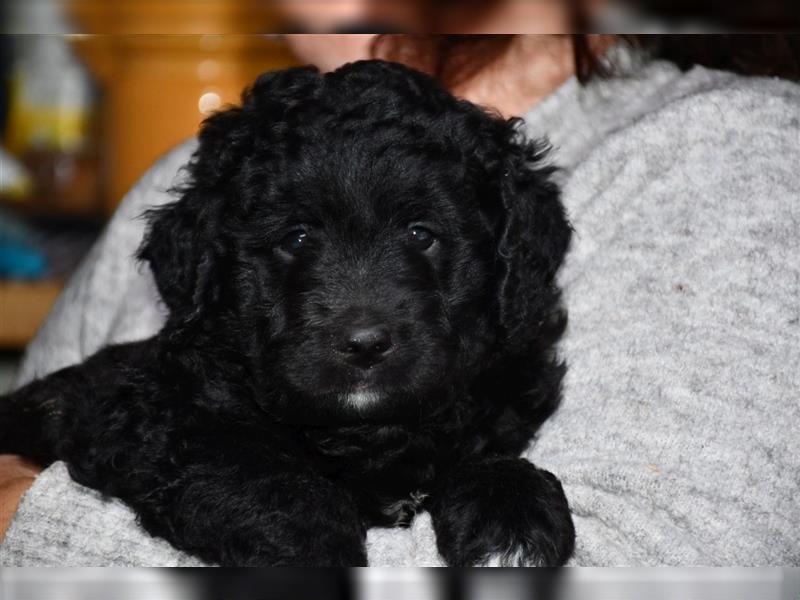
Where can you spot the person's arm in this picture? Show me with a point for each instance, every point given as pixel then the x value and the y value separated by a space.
pixel 16 476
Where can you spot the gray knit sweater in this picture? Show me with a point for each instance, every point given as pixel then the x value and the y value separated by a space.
pixel 678 441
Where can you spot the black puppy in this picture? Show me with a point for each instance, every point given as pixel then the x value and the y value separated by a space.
pixel 360 281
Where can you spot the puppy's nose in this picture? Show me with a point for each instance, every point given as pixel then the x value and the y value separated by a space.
pixel 367 344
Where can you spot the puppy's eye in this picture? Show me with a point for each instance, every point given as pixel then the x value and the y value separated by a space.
pixel 420 237
pixel 294 241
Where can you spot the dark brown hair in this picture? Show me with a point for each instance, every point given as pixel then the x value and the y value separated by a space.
pixel 455 59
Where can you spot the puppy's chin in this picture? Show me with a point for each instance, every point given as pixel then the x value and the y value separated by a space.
pixel 368 404
pixel 349 407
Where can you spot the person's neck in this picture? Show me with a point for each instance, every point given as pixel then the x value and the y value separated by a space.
pixel 534 67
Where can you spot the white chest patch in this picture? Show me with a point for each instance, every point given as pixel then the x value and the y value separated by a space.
pixel 361 399
pixel 513 557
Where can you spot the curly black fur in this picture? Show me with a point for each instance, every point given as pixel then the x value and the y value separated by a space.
pixel 360 281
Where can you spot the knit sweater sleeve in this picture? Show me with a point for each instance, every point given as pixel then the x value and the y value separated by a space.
pixel 675 441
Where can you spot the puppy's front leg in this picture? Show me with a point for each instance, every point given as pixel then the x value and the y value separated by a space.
pixel 501 512
pixel 290 517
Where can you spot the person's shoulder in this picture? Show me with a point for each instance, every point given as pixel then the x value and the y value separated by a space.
pixel 174 159
pixel 717 104
pixel 708 121
pixel 717 136
pixel 155 186
pixel 646 106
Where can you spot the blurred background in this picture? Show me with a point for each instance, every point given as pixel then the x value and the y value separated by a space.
pixel 82 116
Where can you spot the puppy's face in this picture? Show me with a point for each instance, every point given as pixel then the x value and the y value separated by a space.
pixel 372 263
pixel 365 240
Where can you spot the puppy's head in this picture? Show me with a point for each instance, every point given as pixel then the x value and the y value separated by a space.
pixel 368 241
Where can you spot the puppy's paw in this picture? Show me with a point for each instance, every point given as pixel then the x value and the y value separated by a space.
pixel 503 513
pixel 326 539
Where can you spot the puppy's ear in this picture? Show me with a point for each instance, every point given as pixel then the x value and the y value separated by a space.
pixel 180 249
pixel 182 242
pixel 534 237
pixel 183 245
